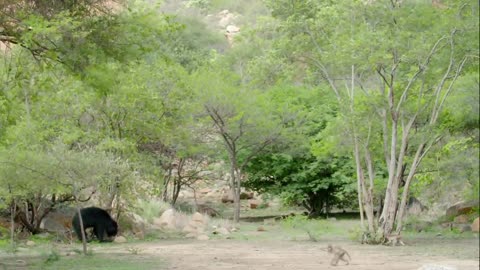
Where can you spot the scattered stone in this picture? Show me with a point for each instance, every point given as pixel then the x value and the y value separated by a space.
pixel 230 33
pixel 232 29
pixel 205 209
pixel 436 267
pixel 269 221
pixel 463 219
pixel 203 237
pixel 420 226
pixel 70 253
pixel 465 228
pixel 139 235
pixel 461 208
pixel 197 217
pixel 120 239
pixel 254 204
pixel 59 220
pixel 137 224
pixel 44 235
pixel 189 229
pixel 447 225
pixel 476 225
pixel 414 206
pixel 226 17
pixel 261 229
pixel 191 235
pixel 205 190
pixel 227 199
pixel 166 220
pixel 30 243
pixel 197 224
pixel 246 195
pixel 222 231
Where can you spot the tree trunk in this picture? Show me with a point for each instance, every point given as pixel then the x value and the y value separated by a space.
pixel 316 205
pixel 82 229
pixel 367 199
pixel 389 215
pixel 235 182
pixel 403 203
pixel 12 224
pixel 166 183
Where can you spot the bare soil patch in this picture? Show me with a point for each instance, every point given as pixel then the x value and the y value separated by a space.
pixel 302 255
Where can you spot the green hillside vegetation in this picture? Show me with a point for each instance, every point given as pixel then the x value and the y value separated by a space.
pixel 326 105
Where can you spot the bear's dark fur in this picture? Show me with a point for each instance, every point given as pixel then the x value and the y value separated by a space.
pixel 99 220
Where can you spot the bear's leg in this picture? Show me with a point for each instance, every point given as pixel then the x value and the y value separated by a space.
pixel 99 231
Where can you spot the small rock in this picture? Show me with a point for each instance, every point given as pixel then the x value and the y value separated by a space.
pixel 461 219
pixel 191 229
pixel 120 239
pixel 43 235
pixel 207 210
pixel 246 195
pixel 198 217
pixel 232 29
pixel 203 237
pixel 253 204
pixel 30 243
pixel 223 231
pixel 139 235
pixel 191 235
pixel 260 229
pixel 166 220
pixel 465 228
pixel 205 190
pixel 447 225
pixel 461 208
pixel 436 267
pixel 227 199
pixel 269 221
pixel 476 225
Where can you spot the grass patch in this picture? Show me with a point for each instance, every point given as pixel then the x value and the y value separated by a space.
pixel 295 228
pixel 150 209
pixel 130 261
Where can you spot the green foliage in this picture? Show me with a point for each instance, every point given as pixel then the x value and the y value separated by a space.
pixel 104 261
pixel 303 179
pixel 150 209
pixel 314 229
pixel 52 257
pixel 94 98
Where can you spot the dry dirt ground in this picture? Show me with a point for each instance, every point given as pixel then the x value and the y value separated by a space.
pixel 462 254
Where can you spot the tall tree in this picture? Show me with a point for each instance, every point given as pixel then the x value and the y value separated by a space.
pixel 242 119
pixel 392 66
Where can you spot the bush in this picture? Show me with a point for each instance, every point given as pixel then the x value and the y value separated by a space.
pixel 150 209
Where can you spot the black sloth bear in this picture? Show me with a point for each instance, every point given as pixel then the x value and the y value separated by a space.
pixel 99 220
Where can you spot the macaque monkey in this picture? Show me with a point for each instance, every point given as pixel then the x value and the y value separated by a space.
pixel 338 254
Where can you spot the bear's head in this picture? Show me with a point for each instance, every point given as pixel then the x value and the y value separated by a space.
pixel 112 229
